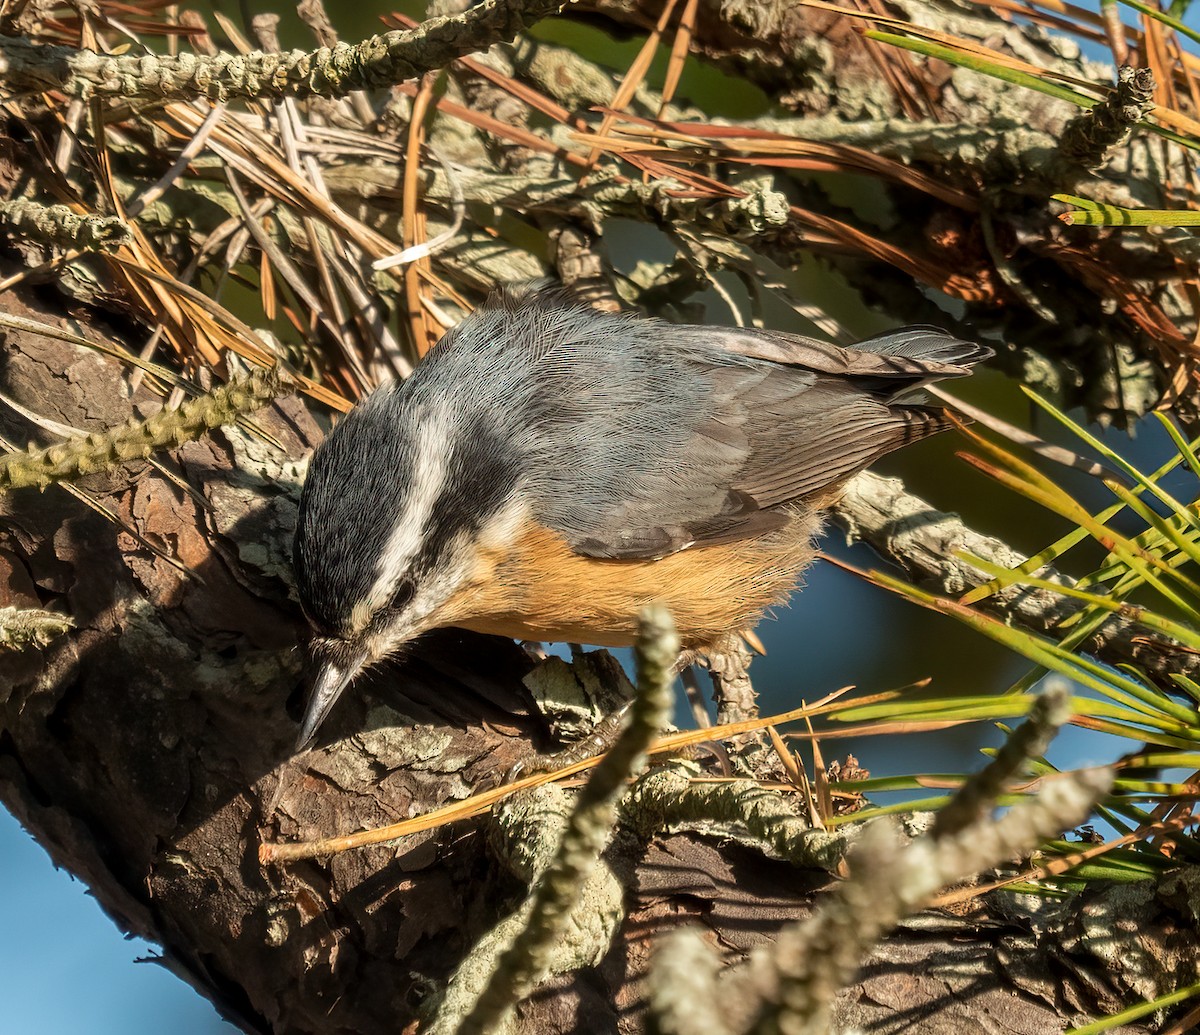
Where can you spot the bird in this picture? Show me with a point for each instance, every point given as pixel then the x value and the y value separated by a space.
pixel 548 469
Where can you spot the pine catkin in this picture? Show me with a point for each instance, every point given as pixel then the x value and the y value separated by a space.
pixel 106 450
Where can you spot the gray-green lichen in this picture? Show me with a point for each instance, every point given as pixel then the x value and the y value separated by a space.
pixel 561 916
pixel 737 810
pixel 761 207
pixel 336 71
pixel 405 745
pixel 63 227
pixel 30 627
pixel 683 987
pixel 574 698
pixel 576 83
pixel 524 835
pixel 254 508
pixel 1090 137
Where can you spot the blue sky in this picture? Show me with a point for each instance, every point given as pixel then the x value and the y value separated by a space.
pixel 64 966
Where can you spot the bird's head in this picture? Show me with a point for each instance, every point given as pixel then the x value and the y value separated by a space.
pixel 388 532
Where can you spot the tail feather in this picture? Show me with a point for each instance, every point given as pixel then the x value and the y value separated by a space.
pixel 925 342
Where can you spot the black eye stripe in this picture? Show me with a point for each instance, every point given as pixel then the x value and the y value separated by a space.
pixel 483 471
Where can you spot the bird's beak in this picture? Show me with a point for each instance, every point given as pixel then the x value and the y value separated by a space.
pixel 334 674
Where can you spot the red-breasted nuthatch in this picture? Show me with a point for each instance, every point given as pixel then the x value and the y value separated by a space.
pixel 549 469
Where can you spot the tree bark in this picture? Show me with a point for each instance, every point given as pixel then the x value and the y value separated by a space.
pixel 144 749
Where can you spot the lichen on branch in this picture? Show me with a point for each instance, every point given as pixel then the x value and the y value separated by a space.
pixel 1093 135
pixel 62 226
pixel 380 61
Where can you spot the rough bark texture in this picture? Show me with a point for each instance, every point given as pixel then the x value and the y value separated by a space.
pixel 143 745
pixel 144 749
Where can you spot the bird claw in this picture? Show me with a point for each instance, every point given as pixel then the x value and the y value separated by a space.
pixel 602 737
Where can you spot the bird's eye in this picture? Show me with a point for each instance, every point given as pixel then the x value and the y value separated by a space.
pixel 402 597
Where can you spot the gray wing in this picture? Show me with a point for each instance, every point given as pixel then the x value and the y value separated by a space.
pixel 823 412
pixel 645 438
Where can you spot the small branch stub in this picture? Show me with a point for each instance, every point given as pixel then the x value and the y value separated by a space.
pixel 1091 136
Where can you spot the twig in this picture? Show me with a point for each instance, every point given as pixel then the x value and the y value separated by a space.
pixel 270 853
pixel 791 986
pixel 521 966
pixel 929 545
pixel 334 71
pixel 102 451
pixel 683 987
pixel 151 194
pixel 1050 711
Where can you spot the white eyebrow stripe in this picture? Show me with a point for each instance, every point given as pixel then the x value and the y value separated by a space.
pixel 408 535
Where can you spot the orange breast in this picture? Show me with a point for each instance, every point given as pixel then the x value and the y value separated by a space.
pixel 538 589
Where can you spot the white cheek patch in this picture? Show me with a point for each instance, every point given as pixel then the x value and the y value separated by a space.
pixel 421 614
pixel 504 527
pixel 408 535
pixel 439 586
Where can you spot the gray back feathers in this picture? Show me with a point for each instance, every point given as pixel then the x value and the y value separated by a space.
pixel 630 437
pixel 639 437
